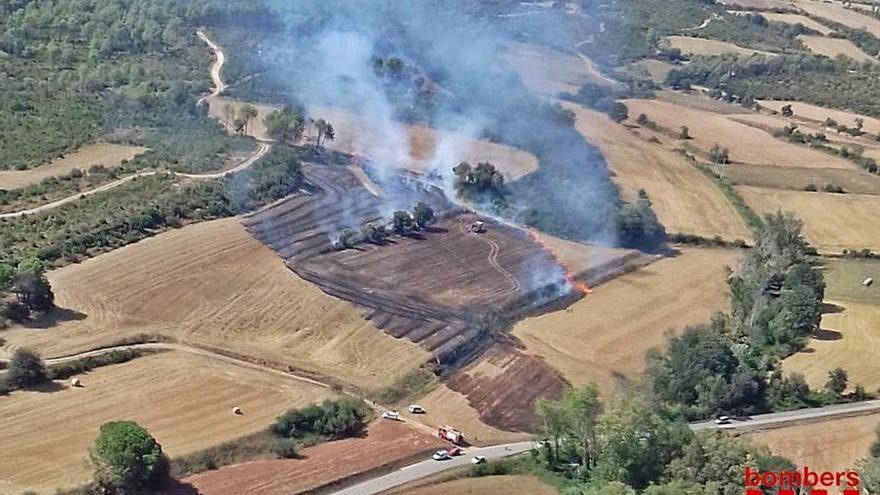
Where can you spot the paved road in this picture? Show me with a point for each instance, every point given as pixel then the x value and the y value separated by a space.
pixel 430 467
pixel 780 419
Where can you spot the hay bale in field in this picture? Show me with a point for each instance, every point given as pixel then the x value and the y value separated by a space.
pixel 74 382
pixel 868 282
pixel 236 410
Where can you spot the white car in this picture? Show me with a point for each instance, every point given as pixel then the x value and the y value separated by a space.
pixel 416 409
pixel 722 420
pixel 477 459
pixel 441 455
pixel 391 415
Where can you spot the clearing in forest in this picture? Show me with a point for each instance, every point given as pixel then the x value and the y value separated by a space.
pixel 832 222
pixel 798 19
pixel 213 284
pixel 106 154
pixel 226 110
pixel 603 337
pixel 820 114
pixel 745 143
pixel 550 72
pixel 832 47
pixel 685 200
pixel 184 400
pixel 703 46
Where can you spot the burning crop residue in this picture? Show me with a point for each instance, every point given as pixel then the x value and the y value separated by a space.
pixel 575 284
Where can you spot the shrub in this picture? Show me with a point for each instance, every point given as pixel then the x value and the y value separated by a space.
pixel 127 458
pixel 332 419
pixel 26 369
pixel 285 448
pixel 811 187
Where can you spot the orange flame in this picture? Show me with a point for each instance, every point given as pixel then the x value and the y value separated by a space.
pixel 576 284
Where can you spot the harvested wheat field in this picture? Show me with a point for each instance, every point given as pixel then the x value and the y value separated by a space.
pixel 106 154
pixel 832 47
pixel 213 284
pixel 844 276
pixel 420 149
pixel 603 337
pixel 834 445
pixel 836 13
pixel 703 46
pixel 797 19
pixel 550 72
pixel 759 4
pixel 385 442
pixel 445 406
pixel 852 181
pixel 832 222
pixel 848 339
pixel 656 70
pixel 685 200
pixel 184 400
pixel 819 114
pixel 217 107
pixel 745 143
pixel 578 257
pixel 506 484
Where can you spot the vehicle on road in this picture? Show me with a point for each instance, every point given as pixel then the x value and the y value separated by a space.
pixel 455 452
pixel 722 420
pixel 441 455
pixel 478 459
pixel 393 415
pixel 451 434
pixel 416 409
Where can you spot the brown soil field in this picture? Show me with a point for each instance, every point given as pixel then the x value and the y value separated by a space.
pixel 550 72
pixel 184 400
pixel 836 13
pixel 427 149
pixel 819 114
pixel 832 47
pixel 656 70
pixel 834 445
pixel 503 385
pixel 106 154
pixel 213 284
pixel 445 406
pixel 507 484
pixel 685 200
pixel 257 128
pixel 703 46
pixel 797 19
pixel 832 222
pixel 849 340
pixel 771 176
pixel 603 337
pixel 385 442
pixel 746 144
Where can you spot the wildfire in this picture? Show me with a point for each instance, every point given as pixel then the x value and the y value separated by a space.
pixel 569 277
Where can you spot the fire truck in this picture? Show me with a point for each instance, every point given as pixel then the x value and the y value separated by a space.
pixel 450 434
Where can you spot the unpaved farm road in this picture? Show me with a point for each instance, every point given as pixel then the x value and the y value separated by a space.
pixel 263 147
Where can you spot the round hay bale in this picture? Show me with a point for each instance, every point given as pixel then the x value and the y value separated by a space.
pixel 74 382
pixel 868 282
pixel 236 410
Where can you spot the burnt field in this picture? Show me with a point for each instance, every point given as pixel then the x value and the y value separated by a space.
pixel 432 287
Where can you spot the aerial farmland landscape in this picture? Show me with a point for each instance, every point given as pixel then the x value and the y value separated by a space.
pixel 459 247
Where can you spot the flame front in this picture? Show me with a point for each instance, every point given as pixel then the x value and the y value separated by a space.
pixel 577 285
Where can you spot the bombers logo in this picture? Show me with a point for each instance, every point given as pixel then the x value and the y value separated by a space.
pixel 790 482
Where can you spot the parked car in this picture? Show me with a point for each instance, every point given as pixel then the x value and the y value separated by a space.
pixel 391 415
pixel 722 420
pixel 477 459
pixel 416 409
pixel 455 452
pixel 441 455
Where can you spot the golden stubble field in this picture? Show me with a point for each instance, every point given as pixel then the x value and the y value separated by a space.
pixel 605 335
pixel 550 72
pixel 797 19
pixel 832 222
pixel 213 284
pixel 420 149
pixel 703 46
pixel 746 143
pixel 184 400
pixel 832 47
pixel 835 445
pixel 106 154
pixel 685 200
pixel 819 114
pixel 835 12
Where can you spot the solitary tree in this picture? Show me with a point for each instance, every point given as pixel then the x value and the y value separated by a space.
pixel 787 111
pixel 402 222
pixel 684 133
pixel 246 114
pixel 422 215
pixel 126 458
pixel 31 287
pixel 837 380
pixel 26 369
pixel 325 131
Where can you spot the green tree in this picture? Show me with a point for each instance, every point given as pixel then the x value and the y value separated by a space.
pixel 719 155
pixel 126 458
pixel 402 222
pixel 26 369
pixel 30 285
pixel 582 408
pixel 638 226
pixel 246 114
pixel 618 112
pixel 837 381
pixel 287 124
pixel 422 215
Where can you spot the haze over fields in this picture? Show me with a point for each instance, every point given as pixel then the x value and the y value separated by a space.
pixel 446 246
